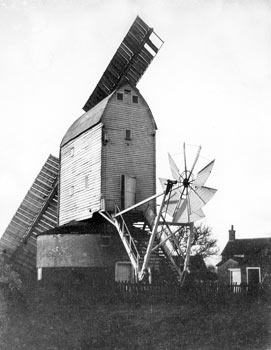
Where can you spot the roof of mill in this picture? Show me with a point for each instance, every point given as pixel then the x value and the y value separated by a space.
pixel 86 121
pixel 97 225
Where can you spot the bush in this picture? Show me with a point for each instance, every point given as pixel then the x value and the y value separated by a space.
pixel 9 277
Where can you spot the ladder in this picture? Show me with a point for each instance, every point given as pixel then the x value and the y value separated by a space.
pixel 126 237
pixel 163 235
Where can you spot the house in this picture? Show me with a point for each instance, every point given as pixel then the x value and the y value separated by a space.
pixel 245 261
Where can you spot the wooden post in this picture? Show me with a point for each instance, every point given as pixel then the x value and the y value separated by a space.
pixel 188 251
pixel 150 275
pixel 154 231
pixel 138 204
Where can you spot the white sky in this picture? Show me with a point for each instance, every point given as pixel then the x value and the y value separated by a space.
pixel 210 84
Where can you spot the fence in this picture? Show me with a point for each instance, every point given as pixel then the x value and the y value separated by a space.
pixel 172 292
pixel 129 292
pixel 195 292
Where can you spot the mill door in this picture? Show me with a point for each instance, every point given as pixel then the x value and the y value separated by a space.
pixel 124 272
pixel 128 191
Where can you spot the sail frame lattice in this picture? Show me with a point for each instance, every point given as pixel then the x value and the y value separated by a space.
pixel 129 63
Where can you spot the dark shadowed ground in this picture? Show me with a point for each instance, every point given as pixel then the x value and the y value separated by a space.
pixel 54 318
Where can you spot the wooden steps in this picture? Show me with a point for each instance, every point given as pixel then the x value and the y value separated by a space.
pixel 140 230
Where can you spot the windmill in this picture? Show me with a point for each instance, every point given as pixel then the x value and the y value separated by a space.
pixel 182 201
pixel 107 167
pixel 100 166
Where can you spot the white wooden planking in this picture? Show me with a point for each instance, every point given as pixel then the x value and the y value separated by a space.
pixel 135 157
pixel 80 157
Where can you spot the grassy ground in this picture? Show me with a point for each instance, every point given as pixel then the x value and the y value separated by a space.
pixel 54 319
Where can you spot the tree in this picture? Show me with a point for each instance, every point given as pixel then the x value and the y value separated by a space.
pixel 202 244
pixel 9 277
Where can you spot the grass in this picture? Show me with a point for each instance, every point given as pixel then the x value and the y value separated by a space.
pixel 54 319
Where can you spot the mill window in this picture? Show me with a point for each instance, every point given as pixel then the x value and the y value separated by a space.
pixel 86 182
pixel 135 99
pixel 105 240
pixel 104 136
pixel 128 135
pixel 127 92
pixel 71 190
pixel 119 96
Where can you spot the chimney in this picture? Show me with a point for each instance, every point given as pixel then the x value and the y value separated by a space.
pixel 231 234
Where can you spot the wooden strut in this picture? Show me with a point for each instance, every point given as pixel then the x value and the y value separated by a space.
pixel 164 240
pixel 139 203
pixel 141 273
pixel 177 268
pixel 188 251
pixel 112 219
pixel 133 255
pixel 143 270
pixel 174 238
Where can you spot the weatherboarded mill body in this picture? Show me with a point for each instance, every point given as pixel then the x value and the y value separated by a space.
pixel 107 163
pixel 107 157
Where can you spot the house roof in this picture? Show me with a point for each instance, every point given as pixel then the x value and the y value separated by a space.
pixel 239 260
pixel 197 262
pixel 247 246
pixel 37 212
pixel 240 249
pixel 129 63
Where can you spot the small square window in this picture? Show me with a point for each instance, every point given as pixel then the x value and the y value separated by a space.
pixel 127 92
pixel 119 96
pixel 128 135
pixel 135 99
pixel 105 240
pixel 86 182
pixel 71 190
pixel 104 137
